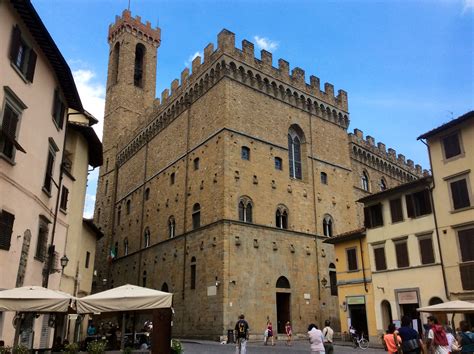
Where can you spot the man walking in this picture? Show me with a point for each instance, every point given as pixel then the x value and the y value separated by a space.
pixel 242 334
pixel 437 340
pixel 328 334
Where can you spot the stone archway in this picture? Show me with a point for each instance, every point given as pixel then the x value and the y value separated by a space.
pixel 283 303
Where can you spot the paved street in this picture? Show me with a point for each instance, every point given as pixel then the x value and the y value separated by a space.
pixel 300 346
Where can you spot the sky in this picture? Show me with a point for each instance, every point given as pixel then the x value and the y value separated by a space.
pixel 407 65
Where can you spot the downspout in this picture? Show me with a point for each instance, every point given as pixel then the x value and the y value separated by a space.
pixel 363 266
pixel 445 283
pixel 318 277
pixel 186 198
pixel 51 248
pixel 140 254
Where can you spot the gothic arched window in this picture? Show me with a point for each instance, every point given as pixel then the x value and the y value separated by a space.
pixel 333 279
pixel 147 238
pixel 196 216
pixel 328 226
pixel 383 185
pixel 365 181
pixel 245 209
pixel 281 217
pixel 171 227
pixel 294 154
pixel 193 273
pixel 115 66
pixel 139 65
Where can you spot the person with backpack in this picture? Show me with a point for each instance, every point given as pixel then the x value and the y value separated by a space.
pixel 437 341
pixel 466 338
pixel 392 340
pixel 242 330
pixel 328 334
pixel 411 342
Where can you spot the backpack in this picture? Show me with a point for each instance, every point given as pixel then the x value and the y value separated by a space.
pixel 439 335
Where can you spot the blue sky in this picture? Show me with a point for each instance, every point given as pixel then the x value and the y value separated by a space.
pixel 407 65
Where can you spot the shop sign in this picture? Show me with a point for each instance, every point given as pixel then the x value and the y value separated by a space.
pixel 356 300
pixel 407 297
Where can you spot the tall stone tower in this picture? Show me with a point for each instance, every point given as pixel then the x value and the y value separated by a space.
pixel 131 81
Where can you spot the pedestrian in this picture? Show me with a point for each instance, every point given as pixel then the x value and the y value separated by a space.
pixel 242 330
pixel 392 340
pixel 316 339
pixel 289 333
pixel 269 332
pixel 328 334
pixel 465 338
pixel 91 330
pixel 437 341
pixel 411 342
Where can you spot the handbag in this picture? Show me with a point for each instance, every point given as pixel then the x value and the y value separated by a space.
pixel 397 344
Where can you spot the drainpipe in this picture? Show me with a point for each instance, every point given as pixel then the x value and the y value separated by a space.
pixel 363 266
pixel 448 296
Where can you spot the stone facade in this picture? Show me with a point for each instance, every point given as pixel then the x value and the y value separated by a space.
pixel 168 198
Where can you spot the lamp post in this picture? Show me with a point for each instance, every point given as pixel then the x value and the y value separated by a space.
pixel 64 261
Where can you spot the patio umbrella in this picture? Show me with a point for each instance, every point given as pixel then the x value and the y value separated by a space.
pixel 456 306
pixel 124 298
pixel 34 299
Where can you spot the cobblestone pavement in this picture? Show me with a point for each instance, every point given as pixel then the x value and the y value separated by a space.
pixel 300 346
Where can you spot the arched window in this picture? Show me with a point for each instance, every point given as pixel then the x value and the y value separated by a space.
pixel 129 206
pixel 147 193
pixel 365 181
pixel 165 288
pixel 115 66
pixel 193 273
pixel 144 279
pixel 147 238
pixel 281 217
pixel 328 226
pixel 119 214
pixel 383 185
pixel 125 246
pixel 196 216
pixel 196 163
pixel 333 279
pixel 172 178
pixel 324 178
pixel 245 209
pixel 386 313
pixel 294 154
pixel 283 283
pixel 171 227
pixel 245 153
pixel 139 65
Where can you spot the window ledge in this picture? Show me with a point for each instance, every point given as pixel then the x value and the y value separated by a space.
pixel 454 158
pixel 48 193
pixel 7 159
pixel 39 259
pixel 20 73
pixel 64 211
pixel 353 270
pixel 462 209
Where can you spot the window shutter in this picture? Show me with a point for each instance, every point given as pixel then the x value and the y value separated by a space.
pixel 466 244
pixel 6 229
pixel 30 71
pixel 379 254
pixel 61 114
pixel 426 248
pixel 15 42
pixel 367 221
pixel 402 254
pixel 241 211
pixel 248 211
pixel 427 200
pixel 460 194
pixel 410 208
pixel 55 105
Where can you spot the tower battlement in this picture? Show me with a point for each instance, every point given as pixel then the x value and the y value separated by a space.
pixel 380 150
pixel 134 25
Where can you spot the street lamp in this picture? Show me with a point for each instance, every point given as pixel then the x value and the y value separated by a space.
pixel 64 261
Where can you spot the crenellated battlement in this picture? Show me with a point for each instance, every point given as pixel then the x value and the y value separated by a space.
pixel 241 65
pixel 378 156
pixel 134 25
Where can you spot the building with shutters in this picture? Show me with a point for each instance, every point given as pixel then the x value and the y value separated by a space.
pixel 44 156
pixel 223 189
pixel 451 150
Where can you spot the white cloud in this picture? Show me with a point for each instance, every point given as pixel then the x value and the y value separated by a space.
pixel 265 43
pixel 188 62
pixel 92 95
pixel 468 5
pixel 90 193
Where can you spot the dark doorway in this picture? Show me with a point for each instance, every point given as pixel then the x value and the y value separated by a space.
pixel 283 310
pixel 410 311
pixel 359 318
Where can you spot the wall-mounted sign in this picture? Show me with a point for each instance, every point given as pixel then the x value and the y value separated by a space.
pixel 307 296
pixel 356 300
pixel 407 297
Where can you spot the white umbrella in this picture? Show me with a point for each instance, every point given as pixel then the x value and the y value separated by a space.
pixel 124 298
pixel 34 299
pixel 456 306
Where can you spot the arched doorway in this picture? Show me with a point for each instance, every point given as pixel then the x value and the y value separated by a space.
pixel 386 314
pixel 283 297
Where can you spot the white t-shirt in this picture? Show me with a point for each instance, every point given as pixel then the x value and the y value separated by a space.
pixel 439 349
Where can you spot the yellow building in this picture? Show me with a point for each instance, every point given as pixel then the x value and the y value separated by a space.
pixel 404 252
pixel 354 283
pixel 451 150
